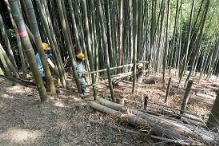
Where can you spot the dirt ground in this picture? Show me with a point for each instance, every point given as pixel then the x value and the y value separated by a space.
pixel 67 120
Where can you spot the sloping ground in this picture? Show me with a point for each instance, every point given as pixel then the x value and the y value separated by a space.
pixel 68 121
pixel 63 122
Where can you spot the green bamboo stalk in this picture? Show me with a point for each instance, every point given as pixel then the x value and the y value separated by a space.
pixel 199 38
pixel 4 64
pixel 183 67
pixel 131 40
pixel 88 42
pixel 135 38
pixel 9 63
pixel 112 21
pixel 36 33
pixel 51 36
pixel 19 45
pixel 106 49
pixel 109 33
pixel 121 3
pixel 159 47
pixel 76 33
pixel 166 46
pixel 27 47
pixel 140 29
pixel 68 44
pixel 7 42
pixel 95 38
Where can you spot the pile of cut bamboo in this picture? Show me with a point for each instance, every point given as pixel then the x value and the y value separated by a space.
pixel 162 127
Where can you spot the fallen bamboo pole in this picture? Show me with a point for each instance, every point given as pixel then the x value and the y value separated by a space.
pixel 138 121
pixel 204 136
pixel 168 127
pixel 112 105
pixel 104 109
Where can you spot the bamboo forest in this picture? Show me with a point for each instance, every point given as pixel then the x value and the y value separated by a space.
pixel 109 72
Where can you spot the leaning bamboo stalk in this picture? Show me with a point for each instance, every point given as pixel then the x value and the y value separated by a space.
pixel 188 41
pixel 19 45
pixel 16 12
pixel 7 42
pixel 9 63
pixel 4 64
pixel 68 44
pixel 51 36
pixel 106 49
pixel 38 40
pixel 88 41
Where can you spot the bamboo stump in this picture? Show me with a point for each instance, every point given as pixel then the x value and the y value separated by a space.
pixel 186 97
pixel 168 90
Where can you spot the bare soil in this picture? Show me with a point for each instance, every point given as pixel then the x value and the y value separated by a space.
pixel 66 120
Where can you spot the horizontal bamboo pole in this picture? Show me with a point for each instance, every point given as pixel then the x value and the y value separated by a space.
pixel 112 68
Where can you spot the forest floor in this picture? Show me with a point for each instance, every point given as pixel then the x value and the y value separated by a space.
pixel 69 121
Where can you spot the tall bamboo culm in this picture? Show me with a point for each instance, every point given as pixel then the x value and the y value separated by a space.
pixel 15 9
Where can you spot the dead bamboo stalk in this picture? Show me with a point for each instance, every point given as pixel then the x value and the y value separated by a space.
pixel 177 141
pixel 112 105
pixel 180 128
pixel 157 125
pixel 139 121
pixel 104 109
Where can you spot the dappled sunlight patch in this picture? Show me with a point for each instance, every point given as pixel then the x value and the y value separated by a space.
pixel 76 99
pixel 6 96
pixel 15 89
pixel 59 104
pixel 20 135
